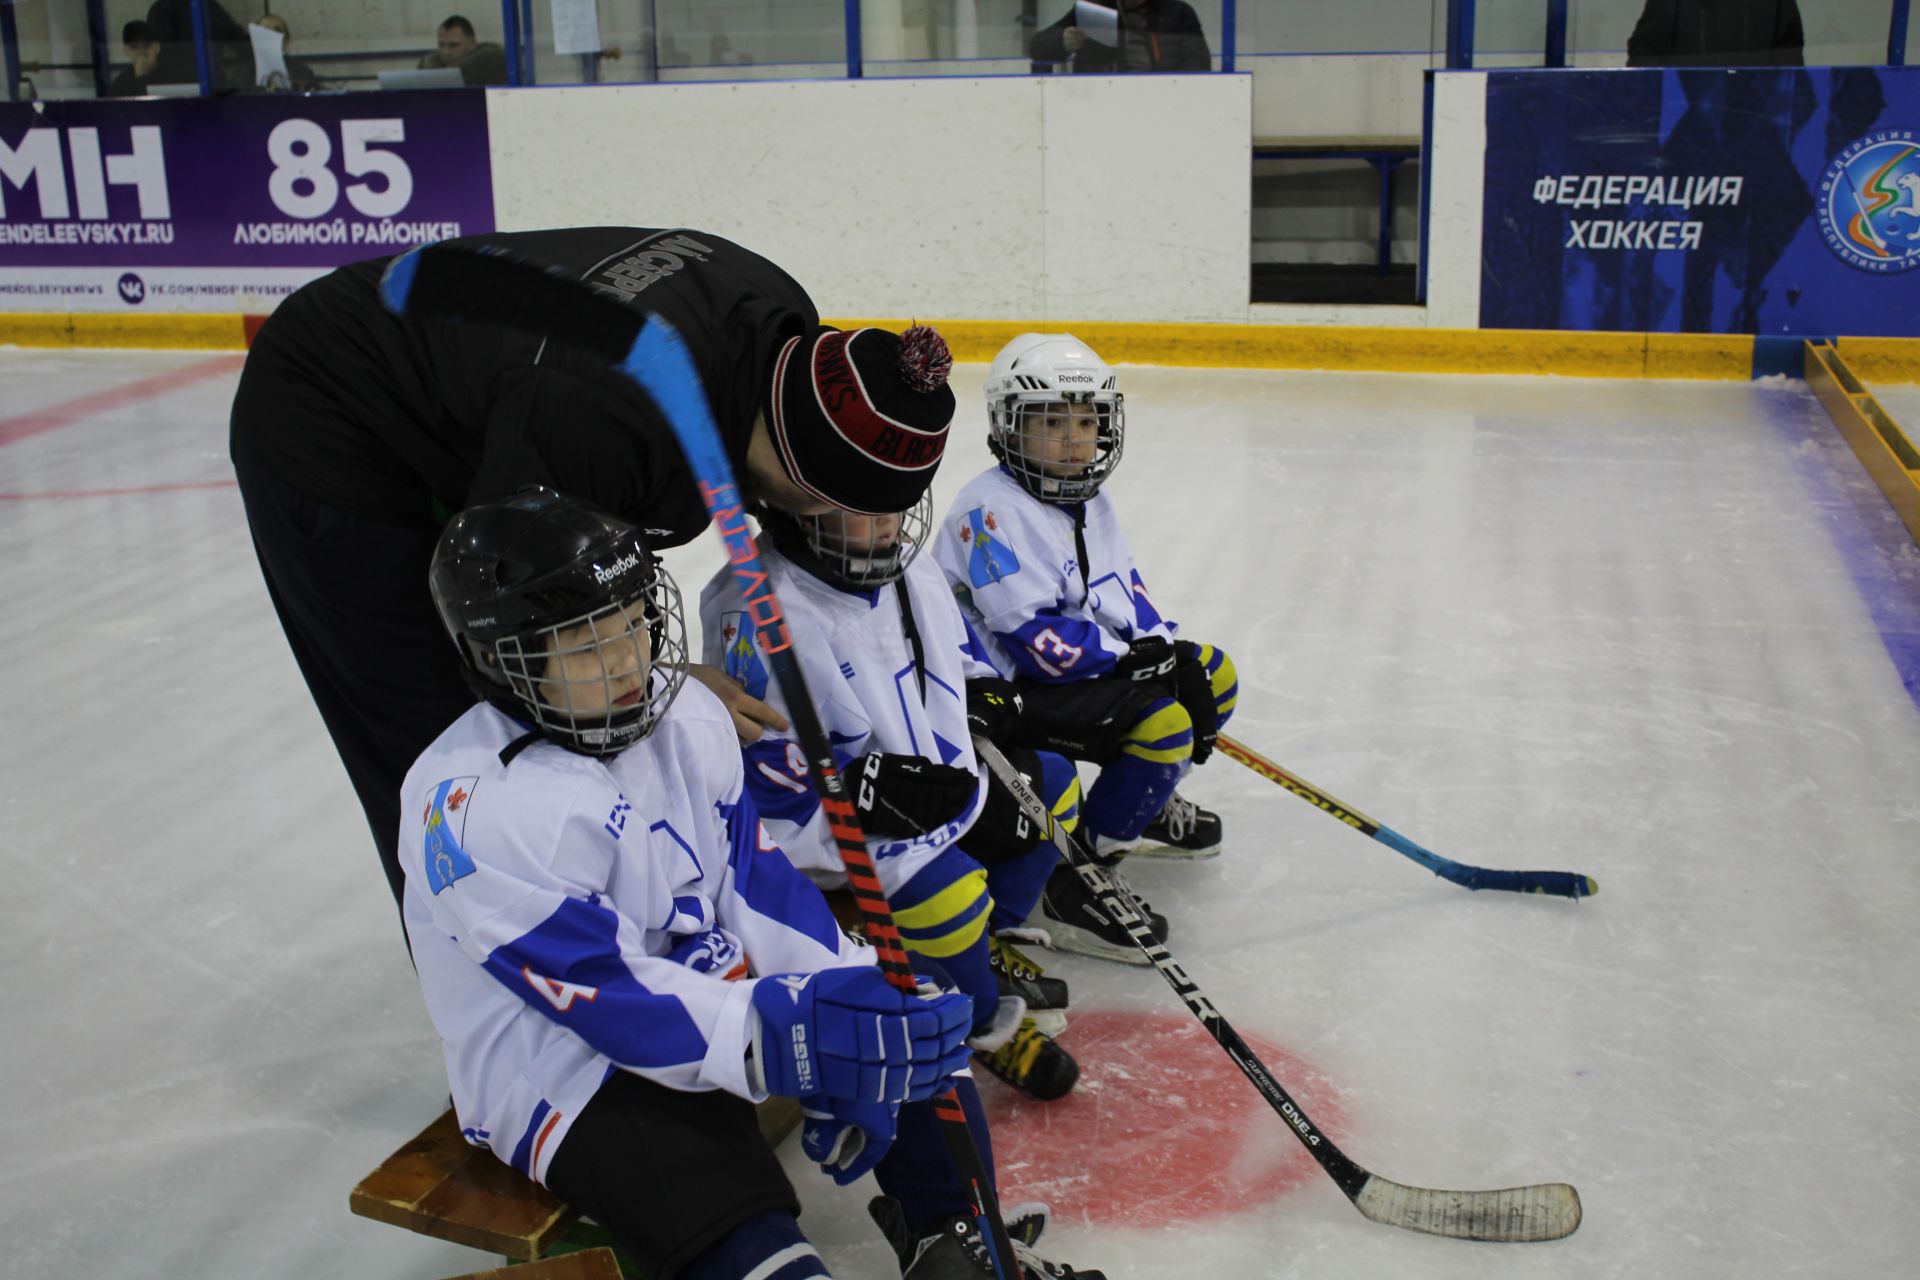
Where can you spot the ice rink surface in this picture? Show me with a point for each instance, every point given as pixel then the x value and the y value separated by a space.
pixel 1664 633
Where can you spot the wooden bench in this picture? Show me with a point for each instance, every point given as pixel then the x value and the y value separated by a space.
pixel 1384 154
pixel 440 1185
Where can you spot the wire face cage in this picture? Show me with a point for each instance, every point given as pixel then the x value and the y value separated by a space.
pixel 601 681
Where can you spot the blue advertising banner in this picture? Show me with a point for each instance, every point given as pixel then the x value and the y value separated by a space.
pixel 1768 201
pixel 221 204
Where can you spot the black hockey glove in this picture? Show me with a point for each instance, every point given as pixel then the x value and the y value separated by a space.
pixel 899 795
pixel 993 707
pixel 1150 658
pixel 1003 829
pixel 1193 687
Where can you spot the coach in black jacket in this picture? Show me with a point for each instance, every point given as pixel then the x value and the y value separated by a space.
pixel 356 434
pixel 1155 35
pixel 1717 33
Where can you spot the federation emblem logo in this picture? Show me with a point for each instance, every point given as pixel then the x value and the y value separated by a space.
pixel 1870 202
pixel 989 560
pixel 441 855
pixel 738 658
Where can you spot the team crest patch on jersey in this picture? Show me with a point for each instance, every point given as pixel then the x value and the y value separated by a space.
pixel 740 661
pixel 989 560
pixel 445 861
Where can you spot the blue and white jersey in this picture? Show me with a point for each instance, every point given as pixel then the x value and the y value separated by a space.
pixel 1013 562
pixel 571 917
pixel 861 671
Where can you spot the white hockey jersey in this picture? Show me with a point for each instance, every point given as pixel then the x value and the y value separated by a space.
pixel 1014 561
pixel 571 917
pixel 866 682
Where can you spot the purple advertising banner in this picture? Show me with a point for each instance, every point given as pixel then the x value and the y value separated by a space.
pixel 161 201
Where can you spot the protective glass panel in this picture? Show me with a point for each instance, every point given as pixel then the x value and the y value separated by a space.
pixel 1509 33
pixel 747 40
pixel 267 46
pixel 951 37
pixel 1611 33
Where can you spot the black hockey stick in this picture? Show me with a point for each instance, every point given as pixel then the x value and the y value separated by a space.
pixel 1544 1212
pixel 481 283
pixel 1567 884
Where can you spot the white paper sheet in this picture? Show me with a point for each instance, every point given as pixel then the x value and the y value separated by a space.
pixel 269 58
pixel 576 26
pixel 1097 22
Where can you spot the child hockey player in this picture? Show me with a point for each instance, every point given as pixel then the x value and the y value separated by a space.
pixel 619 961
pixel 1034 550
pixel 895 669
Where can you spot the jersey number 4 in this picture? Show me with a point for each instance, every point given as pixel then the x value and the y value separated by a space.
pixel 559 994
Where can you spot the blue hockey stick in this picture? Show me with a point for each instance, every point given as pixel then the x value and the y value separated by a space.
pixel 1566 884
pixel 478 282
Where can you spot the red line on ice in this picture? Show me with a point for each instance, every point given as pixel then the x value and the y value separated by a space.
pixel 120 493
pixel 52 418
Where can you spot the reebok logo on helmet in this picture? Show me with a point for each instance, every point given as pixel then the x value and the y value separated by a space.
pixel 622 565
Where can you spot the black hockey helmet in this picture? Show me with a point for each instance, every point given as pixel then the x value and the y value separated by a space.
pixel 562 617
pixel 841 547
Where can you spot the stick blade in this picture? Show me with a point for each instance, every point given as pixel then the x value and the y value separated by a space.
pixel 1548 1211
pixel 1562 884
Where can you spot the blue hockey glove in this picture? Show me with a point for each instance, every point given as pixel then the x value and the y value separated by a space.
pixel 845 1033
pixel 846 1139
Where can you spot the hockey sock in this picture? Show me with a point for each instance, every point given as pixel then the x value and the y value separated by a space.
pixel 1017 883
pixel 920 1173
pixel 767 1246
pixel 1130 792
pixel 942 913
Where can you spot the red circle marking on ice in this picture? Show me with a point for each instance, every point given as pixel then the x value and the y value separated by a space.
pixel 1162 1127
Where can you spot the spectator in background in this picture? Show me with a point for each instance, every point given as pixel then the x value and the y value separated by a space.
pixel 479 62
pixel 300 75
pixel 171 22
pixel 143 53
pixel 1717 33
pixel 1154 35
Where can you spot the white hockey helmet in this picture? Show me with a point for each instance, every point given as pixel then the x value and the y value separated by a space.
pixel 1033 389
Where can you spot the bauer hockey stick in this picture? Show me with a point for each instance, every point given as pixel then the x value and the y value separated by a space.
pixel 481 283
pixel 1566 884
pixel 1547 1211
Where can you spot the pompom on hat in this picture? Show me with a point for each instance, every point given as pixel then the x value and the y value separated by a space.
pixel 860 418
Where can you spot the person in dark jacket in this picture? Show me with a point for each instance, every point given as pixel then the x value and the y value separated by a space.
pixel 481 62
pixel 1717 33
pixel 171 22
pixel 356 433
pixel 143 53
pixel 1154 35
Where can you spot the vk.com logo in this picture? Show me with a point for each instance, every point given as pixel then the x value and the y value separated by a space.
pixel 1870 210
pixel 133 290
